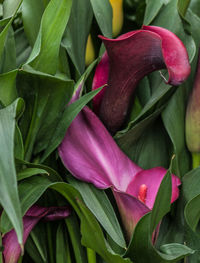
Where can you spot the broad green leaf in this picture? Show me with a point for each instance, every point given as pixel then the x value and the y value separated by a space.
pixel 99 204
pixel 103 14
pixel 147 143
pixel 195 7
pixel 174 120
pixel 192 212
pixel 9 197
pixel 176 248
pixel 152 9
pixel 191 192
pixel 32 12
pixel 46 98
pixel 76 33
pixel 10 7
pixel 44 56
pixel 8 92
pixel 191 184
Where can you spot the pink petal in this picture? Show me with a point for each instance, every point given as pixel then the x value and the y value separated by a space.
pixel 131 210
pixel 131 57
pixel 12 250
pixel 174 54
pixel 152 178
pixel 89 152
pixel 100 79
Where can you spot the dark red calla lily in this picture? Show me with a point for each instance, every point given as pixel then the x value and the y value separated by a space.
pixel 129 58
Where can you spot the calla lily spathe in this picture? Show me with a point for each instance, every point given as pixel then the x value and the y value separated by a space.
pixel 12 249
pixel 127 60
pixel 90 153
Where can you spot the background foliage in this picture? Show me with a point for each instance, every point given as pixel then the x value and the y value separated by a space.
pixel 42 51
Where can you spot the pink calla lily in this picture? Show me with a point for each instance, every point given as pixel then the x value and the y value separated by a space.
pixel 12 249
pixel 89 152
pixel 127 60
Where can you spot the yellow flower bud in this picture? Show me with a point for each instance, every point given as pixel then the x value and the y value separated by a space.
pixel 90 52
pixel 117 22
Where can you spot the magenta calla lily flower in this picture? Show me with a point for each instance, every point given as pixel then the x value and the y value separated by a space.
pixel 127 60
pixel 90 153
pixel 12 249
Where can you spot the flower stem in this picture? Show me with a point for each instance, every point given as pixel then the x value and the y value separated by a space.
pixel 91 255
pixel 195 160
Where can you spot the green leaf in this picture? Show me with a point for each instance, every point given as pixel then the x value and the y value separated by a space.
pixel 155 102
pixel 195 7
pixel 176 249
pixel 69 114
pixel 191 192
pixel 23 49
pixel 28 172
pixel 19 145
pixel 46 98
pixel 183 6
pixel 62 246
pixel 8 59
pixel 10 7
pixel 67 117
pixel 163 201
pixel 36 244
pixel 152 9
pixel 32 12
pixel 147 143
pixel 76 33
pixel 8 92
pixel 103 14
pixel 44 56
pixel 192 212
pixel 99 204
pixel 75 237
pixel 4 32
pixel 9 197
pixel 174 120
